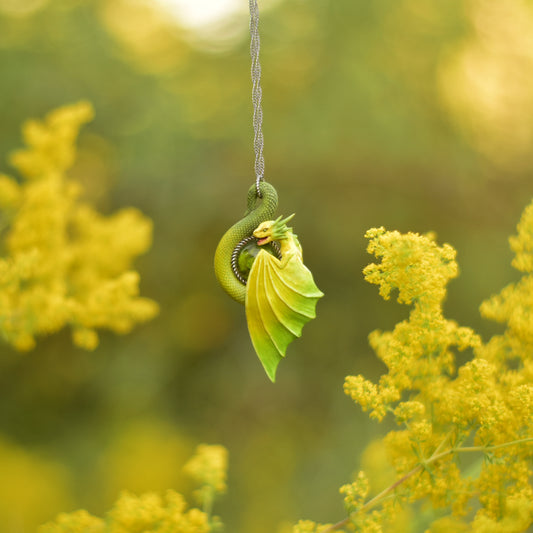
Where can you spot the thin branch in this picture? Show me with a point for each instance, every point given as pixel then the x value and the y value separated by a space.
pixel 435 457
pixel 370 503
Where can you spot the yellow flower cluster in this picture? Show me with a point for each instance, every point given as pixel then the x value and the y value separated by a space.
pixel 355 495
pixel 63 263
pixel 77 521
pixel 418 353
pixel 208 467
pixel 308 526
pixel 148 512
pixel 514 305
pixel 152 512
pixel 483 407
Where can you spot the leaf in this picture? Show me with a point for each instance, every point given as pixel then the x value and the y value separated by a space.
pixel 279 302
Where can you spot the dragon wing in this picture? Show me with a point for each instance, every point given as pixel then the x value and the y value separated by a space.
pixel 279 302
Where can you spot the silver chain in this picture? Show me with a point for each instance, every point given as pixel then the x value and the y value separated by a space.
pixel 257 93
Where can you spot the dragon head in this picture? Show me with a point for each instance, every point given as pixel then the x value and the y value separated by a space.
pixel 272 230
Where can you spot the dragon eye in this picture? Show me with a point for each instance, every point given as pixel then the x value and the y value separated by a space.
pixel 264 230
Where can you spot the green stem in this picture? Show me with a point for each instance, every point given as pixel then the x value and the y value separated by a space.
pixel 435 457
pixel 207 504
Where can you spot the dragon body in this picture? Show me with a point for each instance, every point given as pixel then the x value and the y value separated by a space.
pixel 258 210
pixel 279 295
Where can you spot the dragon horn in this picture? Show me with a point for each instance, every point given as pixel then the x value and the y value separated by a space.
pixel 290 217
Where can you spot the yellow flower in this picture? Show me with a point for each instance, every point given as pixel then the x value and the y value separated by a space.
pixel 77 522
pixel 487 401
pixel 418 352
pixel 411 263
pixel 58 269
pixel 409 410
pixel 149 512
pixel 308 526
pixel 154 512
pixel 208 467
pixel 522 244
pixel 355 493
pixel 9 192
pixel 51 145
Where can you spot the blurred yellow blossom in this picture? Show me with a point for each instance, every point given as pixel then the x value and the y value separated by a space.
pixel 375 464
pixel 51 144
pixel 152 511
pixel 143 456
pixel 308 526
pixel 132 514
pixel 77 522
pixel 209 466
pixel 32 488
pixel 518 517
pixel 65 264
pixel 448 524
pixel 9 192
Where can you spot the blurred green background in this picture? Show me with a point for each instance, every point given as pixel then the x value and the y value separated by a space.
pixel 412 114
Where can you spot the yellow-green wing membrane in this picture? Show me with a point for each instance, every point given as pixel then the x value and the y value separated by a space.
pixel 279 302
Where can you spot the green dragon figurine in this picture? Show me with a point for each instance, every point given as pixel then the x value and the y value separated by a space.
pixel 277 289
